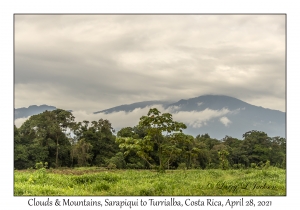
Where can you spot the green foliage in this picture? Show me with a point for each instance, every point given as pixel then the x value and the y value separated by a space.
pixel 101 187
pixel 82 151
pixel 238 166
pixel 267 164
pixel 253 165
pixel 111 166
pixel 224 164
pixel 157 142
pixel 98 134
pixel 182 166
pixel 40 165
pixel 44 138
pixel 118 160
pixel 126 132
pixel 154 143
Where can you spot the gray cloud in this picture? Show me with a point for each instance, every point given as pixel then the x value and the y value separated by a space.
pixel 94 62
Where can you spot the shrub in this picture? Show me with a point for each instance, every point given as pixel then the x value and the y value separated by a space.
pixel 111 166
pixel 118 160
pixel 260 164
pixel 267 164
pixel 181 166
pixel 235 166
pixel 253 165
pixel 212 166
pixel 241 166
pixel 40 165
pixel 224 164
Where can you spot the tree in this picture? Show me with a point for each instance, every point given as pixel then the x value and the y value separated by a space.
pixel 258 146
pixel 224 164
pixel 278 152
pixel 160 138
pixel 20 151
pixel 100 135
pixel 132 160
pixel 62 121
pixel 126 132
pixel 45 135
pixel 118 160
pixel 82 152
pixel 208 154
pixel 235 151
pixel 189 149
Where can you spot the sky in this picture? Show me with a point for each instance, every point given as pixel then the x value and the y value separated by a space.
pixel 87 63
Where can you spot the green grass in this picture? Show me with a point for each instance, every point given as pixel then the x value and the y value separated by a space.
pixel 95 181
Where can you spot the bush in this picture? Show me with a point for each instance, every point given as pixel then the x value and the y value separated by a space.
pixel 212 166
pixel 137 165
pixel 238 166
pixel 40 165
pixel 118 160
pixel 241 166
pixel 267 164
pixel 111 166
pixel 181 166
pixel 260 164
pixel 253 165
pixel 224 164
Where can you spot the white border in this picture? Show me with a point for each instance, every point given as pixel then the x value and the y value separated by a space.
pixel 8 8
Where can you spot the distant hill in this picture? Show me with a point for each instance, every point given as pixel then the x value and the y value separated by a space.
pixel 236 118
pixel 131 107
pixel 32 110
pixel 241 117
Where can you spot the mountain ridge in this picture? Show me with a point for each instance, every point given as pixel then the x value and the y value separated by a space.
pixel 24 112
pixel 239 118
pixel 131 107
pixel 217 115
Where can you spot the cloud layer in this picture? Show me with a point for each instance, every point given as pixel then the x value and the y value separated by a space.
pixel 195 119
pixel 94 62
pixel 121 119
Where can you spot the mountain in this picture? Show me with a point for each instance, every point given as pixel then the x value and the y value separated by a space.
pixel 32 110
pixel 218 115
pixel 131 107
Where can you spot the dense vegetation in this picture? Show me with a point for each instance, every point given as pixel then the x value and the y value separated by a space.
pixel 157 142
pixel 96 181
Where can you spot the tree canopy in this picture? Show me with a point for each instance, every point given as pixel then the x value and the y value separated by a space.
pixel 157 141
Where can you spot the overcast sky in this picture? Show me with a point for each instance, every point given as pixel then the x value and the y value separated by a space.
pixel 94 62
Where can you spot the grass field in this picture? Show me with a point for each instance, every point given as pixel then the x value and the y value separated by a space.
pixel 97 182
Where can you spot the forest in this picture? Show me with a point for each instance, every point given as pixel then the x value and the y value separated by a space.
pixel 55 140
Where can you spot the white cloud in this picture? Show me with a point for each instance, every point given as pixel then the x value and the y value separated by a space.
pixel 117 119
pixel 173 108
pixel 198 119
pixel 225 121
pixel 20 121
pixel 123 119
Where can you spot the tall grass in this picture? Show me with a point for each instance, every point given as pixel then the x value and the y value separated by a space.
pixel 88 182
